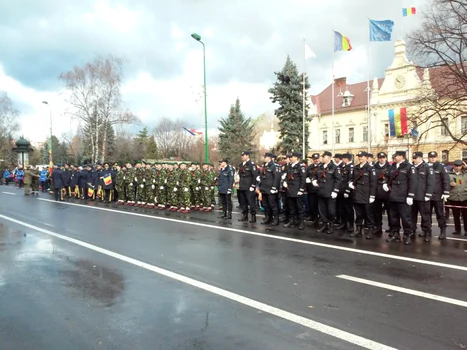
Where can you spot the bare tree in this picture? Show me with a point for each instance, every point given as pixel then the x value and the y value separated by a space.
pixel 441 45
pixel 8 126
pixel 95 98
pixel 172 140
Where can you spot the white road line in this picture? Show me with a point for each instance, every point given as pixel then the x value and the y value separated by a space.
pixel 405 290
pixel 457 239
pixel 306 322
pixel 10 193
pixel 317 244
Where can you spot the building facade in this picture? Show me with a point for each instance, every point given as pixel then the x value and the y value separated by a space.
pixel 351 126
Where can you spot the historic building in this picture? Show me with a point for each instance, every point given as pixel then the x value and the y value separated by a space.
pixel 354 127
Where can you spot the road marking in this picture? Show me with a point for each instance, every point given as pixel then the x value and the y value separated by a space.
pixel 317 244
pixel 457 239
pixel 306 322
pixel 405 290
pixel 10 193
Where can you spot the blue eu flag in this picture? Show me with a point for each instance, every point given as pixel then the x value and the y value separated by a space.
pixel 381 30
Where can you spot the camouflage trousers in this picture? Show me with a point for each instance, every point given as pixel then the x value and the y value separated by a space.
pixel 195 196
pixel 149 193
pixel 130 192
pixel 205 198
pixel 120 189
pixel 172 197
pixel 162 195
pixel 184 197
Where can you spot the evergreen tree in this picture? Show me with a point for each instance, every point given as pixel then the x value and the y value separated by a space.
pixel 288 93
pixel 151 149
pixel 236 134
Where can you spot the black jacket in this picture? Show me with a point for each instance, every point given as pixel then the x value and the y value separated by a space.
pixel 364 180
pixel 311 172
pixel 329 179
pixel 58 178
pixel 381 178
pixel 226 179
pixel 248 173
pixel 442 183
pixel 402 182
pixel 295 179
pixel 425 182
pixel 346 173
pixel 270 178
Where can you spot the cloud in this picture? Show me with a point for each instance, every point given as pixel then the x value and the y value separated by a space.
pixel 246 42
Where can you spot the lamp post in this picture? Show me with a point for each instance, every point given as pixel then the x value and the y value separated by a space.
pixel 50 142
pixel 206 146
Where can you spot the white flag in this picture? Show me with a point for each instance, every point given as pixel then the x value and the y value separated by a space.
pixel 308 52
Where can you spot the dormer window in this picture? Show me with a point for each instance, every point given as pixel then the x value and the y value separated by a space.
pixel 347 98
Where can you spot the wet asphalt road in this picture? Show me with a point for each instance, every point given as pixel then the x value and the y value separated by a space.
pixel 58 294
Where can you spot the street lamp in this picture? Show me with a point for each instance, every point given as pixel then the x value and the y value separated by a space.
pixel 206 146
pixel 50 142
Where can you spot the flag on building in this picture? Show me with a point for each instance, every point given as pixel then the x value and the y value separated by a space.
pixel 308 52
pixel 381 30
pixel 397 122
pixel 193 132
pixel 408 11
pixel 341 43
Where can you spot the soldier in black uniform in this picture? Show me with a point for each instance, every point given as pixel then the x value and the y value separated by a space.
pixel 246 191
pixel 327 179
pixel 363 184
pixel 225 187
pixel 441 193
pixel 311 190
pixel 401 185
pixel 270 180
pixel 423 194
pixel 382 197
pixel 283 190
pixel 347 207
pixel 339 201
pixel 294 183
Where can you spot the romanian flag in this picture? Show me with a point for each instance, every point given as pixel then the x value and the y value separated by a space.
pixel 90 190
pixel 341 43
pixel 51 164
pixel 409 11
pixel 193 132
pixel 397 122
pixel 107 179
pixel 458 181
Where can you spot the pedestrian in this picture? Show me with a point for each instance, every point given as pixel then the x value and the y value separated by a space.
pixel 20 176
pixel 27 180
pixel 294 183
pixel 401 186
pixel 246 191
pixel 458 196
pixel 270 179
pixel 43 179
pixel 423 194
pixel 225 188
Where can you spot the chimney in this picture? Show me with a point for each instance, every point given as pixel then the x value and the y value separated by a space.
pixel 341 83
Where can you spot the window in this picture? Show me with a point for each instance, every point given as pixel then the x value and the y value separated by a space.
pixel 464 125
pixel 325 137
pixel 338 136
pixel 365 134
pixel 445 156
pixel 351 135
pixel 386 129
pixel 464 154
pixel 444 129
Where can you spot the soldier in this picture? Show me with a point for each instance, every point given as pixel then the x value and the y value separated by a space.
pixel 246 191
pixel 371 159
pixel 311 190
pixel 327 180
pixel 401 186
pixel 107 183
pixel 184 193
pixel 129 180
pixel 441 193
pixel 172 187
pixel 348 216
pixel 382 197
pixel 57 179
pixel 294 183
pixel 27 180
pixel 162 191
pixel 283 191
pixel 270 179
pixel 120 184
pixel 339 201
pixel 149 186
pixel 458 196
pixel 67 173
pixel 225 187
pixel 423 193
pixel 83 181
pixel 363 184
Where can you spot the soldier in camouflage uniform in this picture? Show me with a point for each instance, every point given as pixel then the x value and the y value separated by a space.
pixel 172 189
pixel 214 184
pixel 206 182
pixel 150 186
pixel 129 179
pixel 185 181
pixel 161 181
pixel 195 187
pixel 140 184
pixel 120 183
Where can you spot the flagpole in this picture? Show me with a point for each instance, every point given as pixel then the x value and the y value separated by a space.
pixel 303 92
pixel 368 94
pixel 332 101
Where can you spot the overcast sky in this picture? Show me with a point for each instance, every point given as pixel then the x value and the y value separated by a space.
pixel 246 42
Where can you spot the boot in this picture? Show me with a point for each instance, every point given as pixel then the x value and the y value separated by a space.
pixel 378 231
pixel 350 227
pixel 291 223
pixel 358 232
pixel 275 221
pixel 223 216
pixel 393 237
pixel 442 235
pixel 342 226
pixel 423 234
pixel 370 233
pixel 244 217
pixel 286 220
pixel 330 229
pixel 229 215
pixel 323 228
pixel 428 236
pixel 408 238
pixel 301 225
pixel 252 219
pixel 267 220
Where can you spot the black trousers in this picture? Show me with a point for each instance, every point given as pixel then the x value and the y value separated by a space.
pixel 348 210
pixel 44 186
pixel 364 212
pixel 247 199
pixel 226 200
pixel 400 212
pixel 313 205
pixel 378 208
pixel 58 194
pixel 285 202
pixel 20 183
pixel 327 209
pixel 297 207
pixel 423 208
pixel 440 213
pixel 457 212
pixel 270 204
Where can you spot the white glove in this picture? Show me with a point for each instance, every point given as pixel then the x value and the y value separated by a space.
pixel 283 176
pixel 273 190
pixel 252 189
pixel 372 199
pixel 155 199
pixel 175 189
pixel 153 181
pixel 142 186
pixel 165 181
pixel 351 185
pixel 199 181
pixel 346 195
pixel 124 178
pixel 161 188
pixel 315 183
pixel 385 188
pixel 333 195
pixel 229 191
pixel 258 178
pixel 136 179
pixel 409 201
pixel 144 180
pixel 445 197
pixel 206 188
pixel 308 180
pixel 196 188
pixel 153 187
pixel 299 193
pixel 178 183
pixel 212 187
pixel 427 199
pixel 185 189
pixel 284 184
